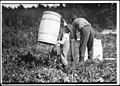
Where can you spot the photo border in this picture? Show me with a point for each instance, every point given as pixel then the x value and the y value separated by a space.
pixel 71 1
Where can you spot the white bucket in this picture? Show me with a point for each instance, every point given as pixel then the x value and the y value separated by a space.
pixel 97 50
pixel 49 27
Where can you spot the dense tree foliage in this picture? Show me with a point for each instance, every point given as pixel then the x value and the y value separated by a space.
pixel 102 14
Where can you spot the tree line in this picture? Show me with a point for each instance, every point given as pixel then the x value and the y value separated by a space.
pixel 101 15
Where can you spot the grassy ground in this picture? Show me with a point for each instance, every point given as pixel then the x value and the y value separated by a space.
pixel 21 66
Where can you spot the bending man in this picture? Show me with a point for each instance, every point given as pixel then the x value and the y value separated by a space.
pixel 86 37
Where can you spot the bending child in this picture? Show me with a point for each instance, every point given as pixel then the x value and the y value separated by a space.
pixel 65 42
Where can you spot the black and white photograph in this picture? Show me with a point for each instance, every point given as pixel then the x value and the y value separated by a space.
pixel 60 42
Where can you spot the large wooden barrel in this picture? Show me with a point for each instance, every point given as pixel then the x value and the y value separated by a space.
pixel 49 27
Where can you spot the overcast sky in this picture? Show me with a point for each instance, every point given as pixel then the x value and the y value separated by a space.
pixel 29 5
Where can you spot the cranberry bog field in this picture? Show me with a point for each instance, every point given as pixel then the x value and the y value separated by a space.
pixel 25 61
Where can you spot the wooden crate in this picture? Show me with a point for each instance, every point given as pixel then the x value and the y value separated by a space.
pixel 73 52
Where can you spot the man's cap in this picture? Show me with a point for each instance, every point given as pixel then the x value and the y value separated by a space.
pixel 74 17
